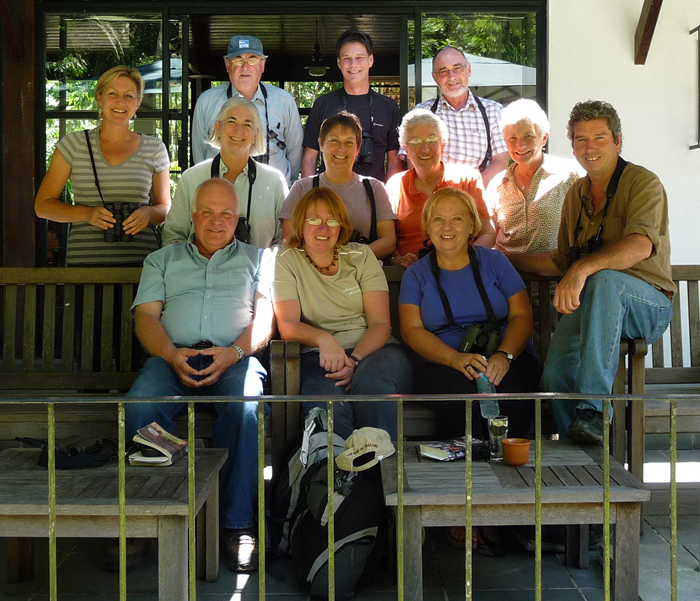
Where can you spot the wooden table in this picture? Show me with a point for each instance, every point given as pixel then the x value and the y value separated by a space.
pixel 572 493
pixel 87 507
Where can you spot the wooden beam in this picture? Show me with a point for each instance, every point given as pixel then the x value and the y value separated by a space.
pixel 9 31
pixel 645 30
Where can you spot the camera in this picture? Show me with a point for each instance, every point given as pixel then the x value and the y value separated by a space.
pixel 243 230
pixel 366 149
pixel 578 252
pixel 120 211
pixel 481 338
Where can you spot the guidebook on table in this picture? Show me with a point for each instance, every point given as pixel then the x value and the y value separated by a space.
pixel 158 447
pixel 446 450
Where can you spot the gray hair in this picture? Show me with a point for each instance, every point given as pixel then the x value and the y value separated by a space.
pixel 595 109
pixel 211 183
pixel 421 117
pixel 258 146
pixel 450 48
pixel 527 111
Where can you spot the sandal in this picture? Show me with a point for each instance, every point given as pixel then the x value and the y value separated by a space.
pixel 456 537
pixel 488 542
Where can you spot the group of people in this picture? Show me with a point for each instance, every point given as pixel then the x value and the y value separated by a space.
pixel 244 255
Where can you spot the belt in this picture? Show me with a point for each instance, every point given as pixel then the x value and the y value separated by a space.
pixel 667 294
pixel 202 344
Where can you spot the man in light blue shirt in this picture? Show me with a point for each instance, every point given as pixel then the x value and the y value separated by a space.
pixel 202 310
pixel 245 63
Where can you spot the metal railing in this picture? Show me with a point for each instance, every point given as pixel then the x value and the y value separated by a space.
pixel 400 448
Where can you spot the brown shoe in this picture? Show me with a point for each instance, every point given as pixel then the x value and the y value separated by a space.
pixel 135 548
pixel 241 547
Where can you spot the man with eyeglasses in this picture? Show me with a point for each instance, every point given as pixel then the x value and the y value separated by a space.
pixel 473 123
pixel 378 114
pixel 245 63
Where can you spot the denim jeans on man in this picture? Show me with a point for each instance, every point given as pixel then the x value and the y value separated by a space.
pixel 386 371
pixel 585 348
pixel 235 429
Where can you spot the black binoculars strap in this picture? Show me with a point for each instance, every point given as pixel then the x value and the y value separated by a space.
pixel 372 203
pixel 252 174
pixel 435 268
pixel 94 168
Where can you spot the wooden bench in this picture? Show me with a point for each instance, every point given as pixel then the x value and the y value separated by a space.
pixel 88 506
pixel 572 493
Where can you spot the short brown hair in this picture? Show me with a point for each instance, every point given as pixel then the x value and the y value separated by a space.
pixel 335 206
pixel 595 109
pixel 120 71
pixel 443 194
pixel 344 120
pixel 352 35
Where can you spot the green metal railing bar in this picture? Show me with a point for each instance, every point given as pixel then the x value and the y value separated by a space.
pixel 261 499
pixel 399 508
pixel 606 499
pixel 53 583
pixel 538 499
pixel 331 503
pixel 191 498
pixel 674 503
pixel 468 575
pixel 121 454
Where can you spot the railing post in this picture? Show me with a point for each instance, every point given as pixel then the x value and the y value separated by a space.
pixel 53 583
pixel 330 504
pixel 399 507
pixel 261 499
pixel 191 500
pixel 121 461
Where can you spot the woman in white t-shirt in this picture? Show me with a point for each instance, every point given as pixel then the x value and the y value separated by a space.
pixel 332 296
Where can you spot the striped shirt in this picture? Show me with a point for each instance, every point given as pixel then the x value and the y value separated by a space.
pixel 467 142
pixel 130 181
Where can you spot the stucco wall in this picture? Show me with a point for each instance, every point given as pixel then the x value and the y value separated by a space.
pixel 591 56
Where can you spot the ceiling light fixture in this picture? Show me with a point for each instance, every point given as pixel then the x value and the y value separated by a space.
pixel 317 68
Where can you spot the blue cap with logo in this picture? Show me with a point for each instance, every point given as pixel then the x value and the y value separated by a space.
pixel 244 44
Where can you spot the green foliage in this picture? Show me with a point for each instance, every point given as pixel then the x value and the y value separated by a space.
pixel 507 37
pixel 305 92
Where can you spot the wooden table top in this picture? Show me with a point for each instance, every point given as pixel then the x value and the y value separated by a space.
pixel 570 474
pixel 94 491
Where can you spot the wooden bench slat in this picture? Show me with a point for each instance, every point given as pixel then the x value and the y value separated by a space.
pixel 676 334
pixel 694 323
pixel 107 327
pixel 87 333
pixel 49 328
pixel 68 332
pixel 29 337
pixel 126 343
pixel 9 329
pixel 69 275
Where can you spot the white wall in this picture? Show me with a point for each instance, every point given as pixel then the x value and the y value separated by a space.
pixel 591 56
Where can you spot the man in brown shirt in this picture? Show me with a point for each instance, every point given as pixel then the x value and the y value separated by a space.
pixel 614 253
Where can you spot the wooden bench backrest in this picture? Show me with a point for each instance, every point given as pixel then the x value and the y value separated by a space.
pixel 683 333
pixel 67 328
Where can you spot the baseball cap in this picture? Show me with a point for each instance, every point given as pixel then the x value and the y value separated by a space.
pixel 244 44
pixel 365 448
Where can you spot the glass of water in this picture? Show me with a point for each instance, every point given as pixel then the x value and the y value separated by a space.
pixel 498 430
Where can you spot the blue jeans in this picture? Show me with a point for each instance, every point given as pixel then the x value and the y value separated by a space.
pixel 386 371
pixel 235 429
pixel 585 349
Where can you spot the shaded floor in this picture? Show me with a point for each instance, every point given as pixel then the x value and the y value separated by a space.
pixel 80 574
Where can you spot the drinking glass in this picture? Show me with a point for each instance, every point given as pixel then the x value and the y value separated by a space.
pixel 498 430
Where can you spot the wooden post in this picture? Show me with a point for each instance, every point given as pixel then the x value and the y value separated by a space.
pixel 18 132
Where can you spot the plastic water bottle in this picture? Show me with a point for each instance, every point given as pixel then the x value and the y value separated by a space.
pixel 489 407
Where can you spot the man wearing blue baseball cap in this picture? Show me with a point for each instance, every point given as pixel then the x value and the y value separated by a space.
pixel 245 63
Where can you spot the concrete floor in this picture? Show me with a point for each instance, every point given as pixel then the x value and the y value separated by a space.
pixel 80 574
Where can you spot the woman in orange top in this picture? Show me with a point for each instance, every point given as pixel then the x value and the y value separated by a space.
pixel 424 135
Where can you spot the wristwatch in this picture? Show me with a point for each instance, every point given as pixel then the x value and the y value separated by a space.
pixel 240 351
pixel 506 354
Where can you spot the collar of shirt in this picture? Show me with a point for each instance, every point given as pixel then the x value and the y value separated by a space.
pixel 470 106
pixel 412 175
pixel 257 98
pixel 223 170
pixel 543 170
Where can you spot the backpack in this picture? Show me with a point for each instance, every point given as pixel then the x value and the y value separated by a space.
pixel 291 473
pixel 361 525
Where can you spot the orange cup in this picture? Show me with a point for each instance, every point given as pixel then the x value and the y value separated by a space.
pixel 516 451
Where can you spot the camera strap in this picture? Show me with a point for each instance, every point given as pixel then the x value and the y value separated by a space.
pixel 344 102
pixel 482 110
pixel 94 167
pixel 609 193
pixel 372 203
pixel 252 174
pixel 435 268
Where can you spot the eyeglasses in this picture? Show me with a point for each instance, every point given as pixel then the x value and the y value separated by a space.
pixel 456 69
pixel 239 62
pixel 272 135
pixel 431 140
pixel 319 221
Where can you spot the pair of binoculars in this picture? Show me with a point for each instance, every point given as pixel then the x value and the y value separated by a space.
pixel 366 149
pixel 578 252
pixel 120 211
pixel 481 338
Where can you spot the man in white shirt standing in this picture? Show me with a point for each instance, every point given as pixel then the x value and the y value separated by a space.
pixel 245 63
pixel 473 123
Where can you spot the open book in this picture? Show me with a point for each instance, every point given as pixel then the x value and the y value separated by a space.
pixel 163 447
pixel 447 450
